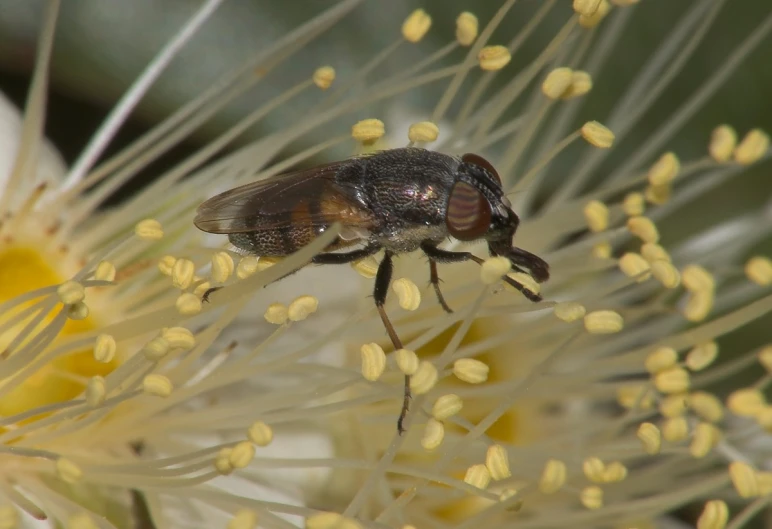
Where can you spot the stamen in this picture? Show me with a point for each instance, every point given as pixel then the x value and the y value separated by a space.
pixel 260 433
pixel 634 205
pixel 423 132
pixel 467 28
pixel 166 265
pixel 493 58
pixel 666 273
pixel 675 429
pixel 714 515
pixel 586 7
pixel 241 455
pixel 596 214
pixel 664 170
pixel 723 141
pixel 702 356
pixel 597 135
pixel 407 361
pixel 590 21
pixel 650 437
pixel 603 322
pixel 222 266
pixel 478 476
pixel 366 267
pixel 71 292
pixel 416 25
pixel 643 228
pixel 581 84
pixel 104 348
pixel 635 266
pixel 594 469
pixel 553 476
pixel 156 349
pixel 447 406
pixel 158 385
pixel 706 436
pixel 752 147
pixel 243 519
pixel 324 76
pixel 673 380
pixel 424 379
pixel 673 406
pixel 592 497
pixel 373 361
pixel 302 307
pixel 149 230
pixel 569 311
pixel 706 406
pixel 434 433
pixel 557 82
pixel 105 271
pixel 247 267
pixel 368 131
pixel 471 370
pixel 96 391
pixel 408 294
pixel 743 478
pixel 493 269
pixel 183 272
pixel 746 402
pixel 497 462
pixel 661 359
pixel 759 270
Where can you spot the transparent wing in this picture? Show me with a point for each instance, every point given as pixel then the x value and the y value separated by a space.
pixel 305 197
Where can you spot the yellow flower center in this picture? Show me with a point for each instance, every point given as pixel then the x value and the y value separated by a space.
pixel 24 269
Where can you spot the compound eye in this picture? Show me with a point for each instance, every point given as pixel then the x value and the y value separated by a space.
pixel 476 159
pixel 469 213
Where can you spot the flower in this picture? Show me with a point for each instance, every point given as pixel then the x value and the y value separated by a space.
pixel 597 406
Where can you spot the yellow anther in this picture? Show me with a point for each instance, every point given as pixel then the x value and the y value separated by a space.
pixel 706 405
pixel 581 83
pixel 590 21
pixel 156 349
pixel 179 338
pixel 478 476
pixel 714 515
pixel 597 135
pixel 71 292
pixel 276 313
pixel 746 402
pixel 423 132
pixel 366 267
pixel 653 252
pixel 105 271
pixel 635 395
pixel 569 311
pixel 373 361
pixel 493 58
pixel 759 270
pixel 592 497
pixel 222 266
pixel 302 307
pixel 368 131
pixel 166 264
pixel 643 228
pixel 434 433
pixel 603 322
pixel 601 250
pixel 78 311
pixel 594 469
pixel 557 82
pixel 658 195
pixel 553 476
pixel 702 356
pixel 674 405
pixel 447 406
pixel 241 455
pixel 416 25
pixel 158 385
pixel 743 478
pixel 673 380
pixel 660 359
pixel 752 147
pixel 260 433
pixel 497 462
pixel 706 436
pixel 664 170
pixel 247 266
pixel 331 520
pixel 243 519
pixel 183 273
pixel 765 358
pixel 493 269
pixel 697 279
pixel 407 361
pixel 264 263
pixel 634 266
pixel 68 471
pixel 324 76
pixel 596 214
pixel 723 141
pixel 471 370
pixel 634 204
pixel 675 429
pixel 149 230
pixel 467 27
pixel 96 391
pixel 666 274
pixel 222 461
pixel 650 437
pixel 615 472
pixel 408 295
pixel 699 305
pixel 424 379
pixel 586 7
pixel 104 348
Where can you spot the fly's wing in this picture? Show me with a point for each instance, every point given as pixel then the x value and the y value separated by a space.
pixel 309 197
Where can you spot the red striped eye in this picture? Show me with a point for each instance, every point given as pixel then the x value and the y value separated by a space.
pixel 469 213
pixel 476 159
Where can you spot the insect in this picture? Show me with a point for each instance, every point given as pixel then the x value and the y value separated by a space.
pixel 397 200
